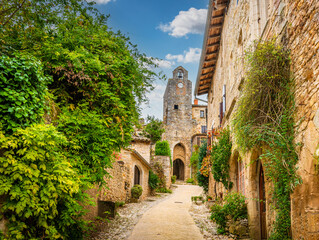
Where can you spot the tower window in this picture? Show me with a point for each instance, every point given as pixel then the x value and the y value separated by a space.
pixel 175 106
pixel 204 129
pixel 180 74
pixel 202 113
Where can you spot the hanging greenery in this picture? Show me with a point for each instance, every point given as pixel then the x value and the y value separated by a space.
pixel 202 179
pixel 220 155
pixel 264 119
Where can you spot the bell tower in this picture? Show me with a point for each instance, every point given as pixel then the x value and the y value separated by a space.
pixel 177 120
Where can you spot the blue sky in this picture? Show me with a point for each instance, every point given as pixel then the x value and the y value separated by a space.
pixel 171 30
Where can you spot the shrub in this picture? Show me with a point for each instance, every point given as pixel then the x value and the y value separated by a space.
pixel 234 207
pixel 190 180
pixel 119 204
pixel 202 180
pixel 162 149
pixel 220 155
pixel 163 190
pixel 173 179
pixel 136 191
pixel 23 87
pixel 40 185
pixel 154 129
pixel 153 180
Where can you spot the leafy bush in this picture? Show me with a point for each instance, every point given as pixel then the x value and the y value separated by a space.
pixel 202 180
pixel 234 207
pixel 119 204
pixel 190 180
pixel 40 185
pixel 23 87
pixel 173 178
pixel 220 155
pixel 163 190
pixel 154 129
pixel 136 191
pixel 153 180
pixel 162 149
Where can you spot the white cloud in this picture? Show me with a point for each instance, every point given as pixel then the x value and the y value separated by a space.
pixel 101 1
pixel 190 56
pixel 164 63
pixel 155 106
pixel 186 22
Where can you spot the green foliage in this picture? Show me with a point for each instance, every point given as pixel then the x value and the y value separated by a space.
pixel 202 180
pixel 153 180
pixel 39 183
pixel 163 190
pixel 234 208
pixel 23 88
pixel 162 149
pixel 194 157
pixel 136 191
pixel 220 155
pixel 91 142
pixel 119 204
pixel 154 129
pixel 264 119
pixel 159 171
pixel 98 80
pixel 173 178
pixel 190 180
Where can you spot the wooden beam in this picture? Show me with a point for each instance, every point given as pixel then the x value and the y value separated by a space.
pixel 211 66
pixel 216 25
pixel 204 86
pixel 213 44
pixel 214 35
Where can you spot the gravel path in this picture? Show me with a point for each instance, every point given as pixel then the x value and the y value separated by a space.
pixel 121 226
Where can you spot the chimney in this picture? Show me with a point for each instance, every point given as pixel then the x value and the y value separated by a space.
pixel 195 101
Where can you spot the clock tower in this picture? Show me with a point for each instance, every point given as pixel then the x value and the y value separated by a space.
pixel 177 120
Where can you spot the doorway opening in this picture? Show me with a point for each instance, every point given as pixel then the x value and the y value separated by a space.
pixel 178 169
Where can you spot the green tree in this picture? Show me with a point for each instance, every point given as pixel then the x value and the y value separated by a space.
pixel 202 180
pixel 154 129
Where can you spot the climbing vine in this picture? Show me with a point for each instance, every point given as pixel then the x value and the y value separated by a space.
pixel 264 119
pixel 201 178
pixel 220 155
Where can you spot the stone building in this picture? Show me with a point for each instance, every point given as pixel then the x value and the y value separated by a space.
pixel 131 167
pixel 184 122
pixel 231 28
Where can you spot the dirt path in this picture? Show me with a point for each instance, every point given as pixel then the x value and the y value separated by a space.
pixel 170 219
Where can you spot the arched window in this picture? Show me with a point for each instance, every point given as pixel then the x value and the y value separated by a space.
pixel 137 176
pixel 180 74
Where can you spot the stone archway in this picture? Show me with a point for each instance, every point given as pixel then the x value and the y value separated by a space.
pixel 179 169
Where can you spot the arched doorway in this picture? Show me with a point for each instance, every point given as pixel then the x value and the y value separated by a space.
pixel 178 169
pixel 137 176
pixel 262 204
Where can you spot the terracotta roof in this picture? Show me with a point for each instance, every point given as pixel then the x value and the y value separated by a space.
pixel 214 24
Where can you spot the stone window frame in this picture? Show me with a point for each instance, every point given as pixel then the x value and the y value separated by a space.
pixel 202 113
pixel 141 174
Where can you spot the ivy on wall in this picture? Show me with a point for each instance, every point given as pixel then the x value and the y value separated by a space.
pixel 264 119
pixel 201 178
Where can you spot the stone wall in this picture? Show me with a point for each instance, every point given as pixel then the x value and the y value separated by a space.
pixel 295 23
pixel 303 41
pixel 142 147
pixel 120 182
pixel 165 163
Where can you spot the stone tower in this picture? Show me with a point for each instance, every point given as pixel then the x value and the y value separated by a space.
pixel 178 122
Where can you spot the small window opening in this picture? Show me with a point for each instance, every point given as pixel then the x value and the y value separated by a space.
pixel 202 113
pixel 175 106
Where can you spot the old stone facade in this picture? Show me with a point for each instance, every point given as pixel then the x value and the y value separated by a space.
pixel 183 121
pixel 131 167
pixel 232 26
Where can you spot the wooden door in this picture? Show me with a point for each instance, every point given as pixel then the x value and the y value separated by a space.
pixel 262 206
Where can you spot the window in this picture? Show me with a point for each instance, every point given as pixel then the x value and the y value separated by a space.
pixel 137 176
pixel 240 178
pixel 202 113
pixel 175 106
pixel 204 129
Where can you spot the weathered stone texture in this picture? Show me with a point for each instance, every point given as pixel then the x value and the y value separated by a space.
pixel 182 122
pixel 143 148
pixel 165 163
pixel 295 23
